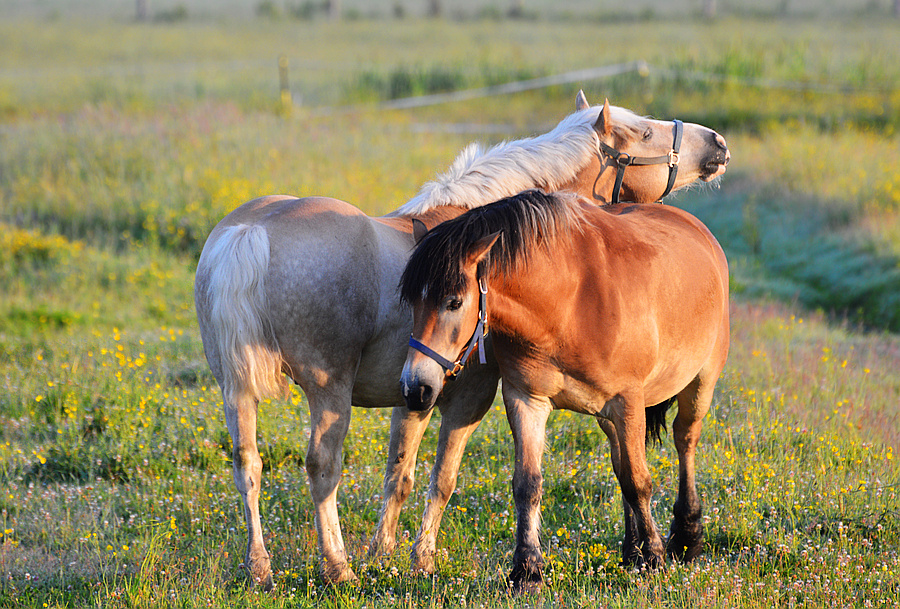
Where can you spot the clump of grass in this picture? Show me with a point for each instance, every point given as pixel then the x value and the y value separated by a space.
pixel 31 248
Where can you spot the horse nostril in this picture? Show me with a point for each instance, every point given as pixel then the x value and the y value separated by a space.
pixel 419 398
pixel 720 141
pixel 425 394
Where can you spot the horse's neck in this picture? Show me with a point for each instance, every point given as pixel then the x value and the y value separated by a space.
pixel 442 213
pixel 522 305
pixel 594 181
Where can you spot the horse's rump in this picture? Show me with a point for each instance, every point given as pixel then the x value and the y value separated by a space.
pixel 231 279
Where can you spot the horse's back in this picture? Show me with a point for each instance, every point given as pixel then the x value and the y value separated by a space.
pixel 276 212
pixel 648 297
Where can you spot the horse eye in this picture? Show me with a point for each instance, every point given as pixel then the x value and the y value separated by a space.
pixel 648 134
pixel 453 304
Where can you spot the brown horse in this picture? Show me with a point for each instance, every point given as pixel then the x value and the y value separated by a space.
pixel 606 311
pixel 308 287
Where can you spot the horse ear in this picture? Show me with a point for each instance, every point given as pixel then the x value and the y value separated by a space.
pixel 603 126
pixel 419 230
pixel 482 247
pixel 581 101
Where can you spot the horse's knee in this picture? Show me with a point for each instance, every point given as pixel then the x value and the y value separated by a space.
pixel 402 476
pixel 443 487
pixel 636 491
pixel 321 464
pixel 404 486
pixel 247 466
pixel 527 488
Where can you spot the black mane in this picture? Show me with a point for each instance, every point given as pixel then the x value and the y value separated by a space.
pixel 527 220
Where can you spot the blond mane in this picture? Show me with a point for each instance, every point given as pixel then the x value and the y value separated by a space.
pixel 478 176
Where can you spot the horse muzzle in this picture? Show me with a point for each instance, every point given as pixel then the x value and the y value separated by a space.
pixel 419 397
pixel 718 161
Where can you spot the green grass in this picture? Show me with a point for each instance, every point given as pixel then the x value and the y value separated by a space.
pixel 117 483
pixel 123 144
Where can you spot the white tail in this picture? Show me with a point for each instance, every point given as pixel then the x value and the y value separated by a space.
pixel 236 267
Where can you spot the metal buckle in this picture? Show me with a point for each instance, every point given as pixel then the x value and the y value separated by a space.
pixel 452 374
pixel 673 158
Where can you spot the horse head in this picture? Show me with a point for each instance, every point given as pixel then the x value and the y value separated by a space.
pixel 660 156
pixel 449 299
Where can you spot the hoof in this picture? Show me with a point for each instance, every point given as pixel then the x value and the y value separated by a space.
pixel 640 562
pixel 683 552
pixel 526 588
pixel 266 583
pixel 338 574
pixel 526 579
pixel 424 567
pixel 422 562
pixel 685 544
pixel 259 573
pixel 380 548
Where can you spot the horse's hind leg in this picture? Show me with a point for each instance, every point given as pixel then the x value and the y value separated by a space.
pixel 407 429
pixel 329 409
pixel 685 540
pixel 240 416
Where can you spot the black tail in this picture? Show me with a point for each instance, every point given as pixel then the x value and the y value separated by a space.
pixel 656 419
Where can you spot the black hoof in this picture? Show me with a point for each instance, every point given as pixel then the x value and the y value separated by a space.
pixel 526 577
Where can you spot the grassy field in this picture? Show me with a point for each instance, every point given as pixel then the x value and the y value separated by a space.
pixel 122 144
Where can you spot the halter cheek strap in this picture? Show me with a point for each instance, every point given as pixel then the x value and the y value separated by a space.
pixel 624 160
pixel 477 341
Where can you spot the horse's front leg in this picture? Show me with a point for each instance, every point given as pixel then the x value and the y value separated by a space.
pixel 329 409
pixel 463 408
pixel 407 429
pixel 240 417
pixel 631 553
pixel 528 421
pixel 629 419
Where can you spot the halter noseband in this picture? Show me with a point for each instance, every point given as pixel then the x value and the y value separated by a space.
pixel 454 368
pixel 624 160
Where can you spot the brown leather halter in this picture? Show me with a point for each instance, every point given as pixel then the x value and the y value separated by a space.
pixel 454 368
pixel 623 160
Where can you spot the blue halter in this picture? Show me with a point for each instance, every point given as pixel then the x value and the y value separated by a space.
pixel 477 341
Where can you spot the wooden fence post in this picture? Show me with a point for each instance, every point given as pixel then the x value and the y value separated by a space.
pixel 286 100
